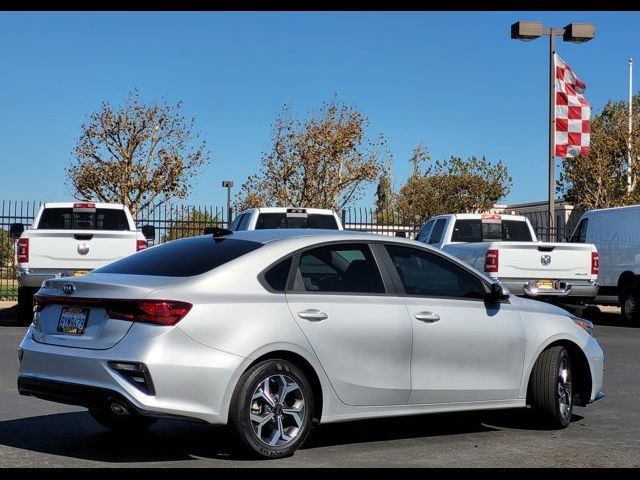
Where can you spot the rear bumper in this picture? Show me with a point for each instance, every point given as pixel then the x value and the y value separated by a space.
pixel 34 278
pixel 562 288
pixel 190 379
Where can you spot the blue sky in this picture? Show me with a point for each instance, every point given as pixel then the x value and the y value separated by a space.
pixel 453 81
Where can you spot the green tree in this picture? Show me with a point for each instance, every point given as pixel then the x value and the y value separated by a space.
pixel 137 155
pixel 599 180
pixel 7 252
pixel 324 161
pixel 452 186
pixel 191 224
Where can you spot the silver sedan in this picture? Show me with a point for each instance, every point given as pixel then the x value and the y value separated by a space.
pixel 272 331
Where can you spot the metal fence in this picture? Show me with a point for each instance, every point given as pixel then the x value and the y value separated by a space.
pixel 177 221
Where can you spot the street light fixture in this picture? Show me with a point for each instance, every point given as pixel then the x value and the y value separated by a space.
pixel 228 184
pixel 576 33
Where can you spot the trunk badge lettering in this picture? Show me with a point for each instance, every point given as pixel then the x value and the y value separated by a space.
pixel 545 259
pixel 68 288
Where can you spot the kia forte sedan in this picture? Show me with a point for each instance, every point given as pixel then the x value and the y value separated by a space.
pixel 272 331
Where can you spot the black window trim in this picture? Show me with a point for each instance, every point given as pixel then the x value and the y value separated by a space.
pixel 390 278
pixel 262 275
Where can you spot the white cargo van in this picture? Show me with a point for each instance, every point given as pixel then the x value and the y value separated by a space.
pixel 616 234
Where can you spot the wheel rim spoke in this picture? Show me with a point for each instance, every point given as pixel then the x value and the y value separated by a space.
pixel 565 394
pixel 277 410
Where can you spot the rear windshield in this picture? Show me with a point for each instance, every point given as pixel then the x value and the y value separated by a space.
pixel 479 231
pixel 67 219
pixel 281 220
pixel 182 258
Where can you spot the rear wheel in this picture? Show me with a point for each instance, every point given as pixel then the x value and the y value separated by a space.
pixel 550 389
pixel 121 422
pixel 272 408
pixel 630 305
pixel 25 305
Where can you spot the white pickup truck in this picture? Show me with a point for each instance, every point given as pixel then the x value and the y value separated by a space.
pixel 70 239
pixel 505 248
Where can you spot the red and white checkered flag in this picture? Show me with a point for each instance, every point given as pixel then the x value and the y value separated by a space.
pixel 573 113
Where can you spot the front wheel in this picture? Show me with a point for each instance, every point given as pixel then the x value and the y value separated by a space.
pixel 550 389
pixel 272 408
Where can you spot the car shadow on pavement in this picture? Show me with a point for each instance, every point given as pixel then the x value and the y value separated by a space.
pixel 76 435
pixel 9 316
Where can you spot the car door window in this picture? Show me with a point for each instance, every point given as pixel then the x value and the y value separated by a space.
pixel 426 274
pixel 438 228
pixel 344 268
pixel 422 236
pixel 236 222
pixel 244 221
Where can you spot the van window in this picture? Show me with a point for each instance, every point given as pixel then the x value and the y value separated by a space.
pixel 580 235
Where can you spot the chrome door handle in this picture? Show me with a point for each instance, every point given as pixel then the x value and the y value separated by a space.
pixel 313 314
pixel 427 317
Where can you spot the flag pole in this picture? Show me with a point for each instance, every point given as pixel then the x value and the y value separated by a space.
pixel 552 131
pixel 629 167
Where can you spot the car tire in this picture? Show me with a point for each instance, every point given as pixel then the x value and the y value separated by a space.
pixel 272 409
pixel 129 423
pixel 550 389
pixel 630 306
pixel 25 306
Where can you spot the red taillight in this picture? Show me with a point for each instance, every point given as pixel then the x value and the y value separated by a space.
pixel 159 312
pixel 23 250
pixel 141 245
pixel 595 263
pixel 491 260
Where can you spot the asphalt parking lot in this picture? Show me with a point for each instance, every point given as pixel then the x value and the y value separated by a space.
pixel 36 433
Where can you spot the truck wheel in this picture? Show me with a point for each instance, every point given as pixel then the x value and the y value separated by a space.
pixel 550 391
pixel 630 305
pixel 25 306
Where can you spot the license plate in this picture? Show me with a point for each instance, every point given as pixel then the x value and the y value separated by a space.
pixel 73 320
pixel 545 284
pixel 79 273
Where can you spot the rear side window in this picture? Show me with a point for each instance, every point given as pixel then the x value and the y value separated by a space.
pixel 422 236
pixel 282 220
pixel 479 231
pixel 345 268
pixel 437 231
pixel 276 276
pixel 67 219
pixel 182 258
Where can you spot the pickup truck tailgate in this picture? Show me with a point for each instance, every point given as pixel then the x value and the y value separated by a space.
pixel 544 260
pixel 82 250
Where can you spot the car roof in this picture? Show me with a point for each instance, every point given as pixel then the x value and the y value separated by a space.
pixel 311 234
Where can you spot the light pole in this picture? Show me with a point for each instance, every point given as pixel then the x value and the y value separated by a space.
pixel 228 184
pixel 576 33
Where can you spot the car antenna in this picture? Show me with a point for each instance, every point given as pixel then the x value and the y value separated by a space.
pixel 216 232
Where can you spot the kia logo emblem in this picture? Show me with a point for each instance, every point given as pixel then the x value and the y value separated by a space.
pixel 68 288
pixel 545 259
pixel 83 248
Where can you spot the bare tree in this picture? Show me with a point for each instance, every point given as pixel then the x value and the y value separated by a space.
pixel 137 155
pixel 323 162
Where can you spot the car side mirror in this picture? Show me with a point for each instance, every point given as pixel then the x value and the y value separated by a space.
pixel 497 293
pixel 149 232
pixel 15 230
